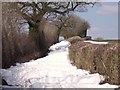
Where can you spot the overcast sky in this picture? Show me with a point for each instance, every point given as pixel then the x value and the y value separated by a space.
pixel 103 20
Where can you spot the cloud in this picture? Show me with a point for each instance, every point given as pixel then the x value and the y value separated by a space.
pixel 107 9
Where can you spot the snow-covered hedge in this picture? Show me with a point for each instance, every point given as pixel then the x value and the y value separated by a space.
pixel 99 57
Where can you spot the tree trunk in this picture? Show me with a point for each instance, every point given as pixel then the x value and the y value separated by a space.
pixel 58 33
pixel 57 38
pixel 37 35
pixel 84 33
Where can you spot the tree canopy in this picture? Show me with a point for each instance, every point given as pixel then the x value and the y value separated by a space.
pixel 33 13
pixel 72 25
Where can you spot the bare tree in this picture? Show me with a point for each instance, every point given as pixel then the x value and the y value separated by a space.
pixel 72 25
pixel 33 12
pixel 84 26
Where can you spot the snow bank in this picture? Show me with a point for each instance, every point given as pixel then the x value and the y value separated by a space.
pixel 52 71
pixel 61 38
pixel 63 45
pixel 94 42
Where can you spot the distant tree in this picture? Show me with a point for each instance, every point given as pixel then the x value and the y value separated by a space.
pixel 33 12
pixel 99 38
pixel 84 26
pixel 72 25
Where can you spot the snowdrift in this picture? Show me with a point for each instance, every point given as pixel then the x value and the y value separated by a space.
pixel 52 71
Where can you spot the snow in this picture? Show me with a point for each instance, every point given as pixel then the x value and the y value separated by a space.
pixel 52 71
pixel 60 46
pixel 61 38
pixel 95 42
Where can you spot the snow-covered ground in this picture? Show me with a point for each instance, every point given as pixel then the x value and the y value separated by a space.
pixel 52 71
pixel 94 42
